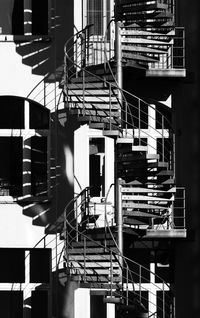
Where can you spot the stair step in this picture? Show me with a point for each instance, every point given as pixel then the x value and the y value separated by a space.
pixel 146 190
pixel 94 105
pixel 98 119
pixel 145 198
pixel 124 140
pixel 111 133
pixel 140 214
pixel 142 49
pixel 133 31
pixel 142 5
pixel 94 272
pixel 97 264
pixel 143 206
pixel 138 57
pixel 96 250
pixel 93 99
pixel 134 222
pixel 88 85
pixel 144 41
pixel 112 300
pixel 97 112
pixel 92 92
pixel 89 79
pixel 139 148
pixel 98 257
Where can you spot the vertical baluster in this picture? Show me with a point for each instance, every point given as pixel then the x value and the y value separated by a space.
pixel 126 284
pixel 163 140
pixel 163 300
pixel 110 106
pixel 139 122
pixel 84 241
pixel 83 82
pixel 76 216
pixel 126 118
pixel 111 274
pixel 140 283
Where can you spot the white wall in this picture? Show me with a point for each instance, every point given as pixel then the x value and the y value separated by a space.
pixel 15 77
pixel 16 229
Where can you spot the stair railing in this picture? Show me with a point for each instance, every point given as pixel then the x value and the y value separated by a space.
pixel 129 105
pixel 126 278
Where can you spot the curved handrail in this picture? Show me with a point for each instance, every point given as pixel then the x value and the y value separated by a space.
pixel 126 259
pixel 128 113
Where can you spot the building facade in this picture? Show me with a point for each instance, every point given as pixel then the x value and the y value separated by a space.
pixel 91 212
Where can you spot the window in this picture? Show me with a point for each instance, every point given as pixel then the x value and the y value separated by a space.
pixel 38 165
pixel 97 167
pixel 24 17
pixel 98 14
pixel 24 131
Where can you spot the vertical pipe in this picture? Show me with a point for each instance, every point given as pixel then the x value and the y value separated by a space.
pixel 118 56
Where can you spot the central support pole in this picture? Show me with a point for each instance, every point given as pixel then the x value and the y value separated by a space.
pixel 118 57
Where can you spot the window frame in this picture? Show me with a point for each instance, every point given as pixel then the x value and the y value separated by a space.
pixel 28 36
pixel 26 134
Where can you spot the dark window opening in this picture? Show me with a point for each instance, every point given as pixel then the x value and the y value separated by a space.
pixel 11 166
pixel 39 116
pixel 12 265
pixel 40 263
pixel 39 304
pixel 18 17
pixel 97 167
pixel 12 112
pixel 11 304
pixel 39 165
pixel 97 307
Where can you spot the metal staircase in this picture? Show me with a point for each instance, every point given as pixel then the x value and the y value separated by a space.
pixel 92 258
pixel 144 145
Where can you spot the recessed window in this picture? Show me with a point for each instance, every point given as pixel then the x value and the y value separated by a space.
pixel 97 167
pixel 12 265
pixel 11 166
pixel 24 17
pixel 39 116
pixel 39 165
pixel 24 134
pixel 12 112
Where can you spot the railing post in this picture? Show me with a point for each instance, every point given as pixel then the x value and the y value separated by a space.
pixel 126 284
pixel 163 140
pixel 126 118
pixel 140 283
pixel 163 300
pixel 139 122
pixel 110 106
pixel 84 242
pixel 119 221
